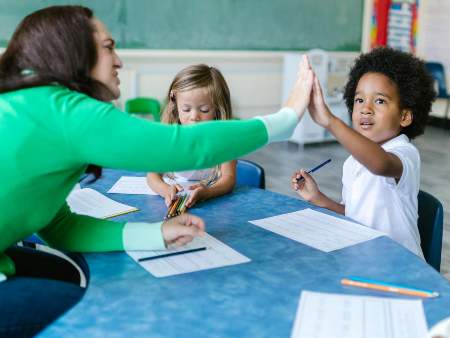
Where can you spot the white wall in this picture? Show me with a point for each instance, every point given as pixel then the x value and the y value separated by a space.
pixel 254 78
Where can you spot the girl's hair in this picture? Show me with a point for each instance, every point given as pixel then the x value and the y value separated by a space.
pixel 194 77
pixel 54 45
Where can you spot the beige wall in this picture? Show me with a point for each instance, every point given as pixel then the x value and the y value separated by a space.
pixel 254 78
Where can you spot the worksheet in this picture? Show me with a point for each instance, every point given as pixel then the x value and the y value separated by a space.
pixel 201 254
pixel 327 315
pixel 90 202
pixel 131 185
pixel 318 230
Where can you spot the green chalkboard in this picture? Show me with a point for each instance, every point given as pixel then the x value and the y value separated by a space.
pixel 334 25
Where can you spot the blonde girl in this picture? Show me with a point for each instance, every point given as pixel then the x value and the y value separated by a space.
pixel 198 93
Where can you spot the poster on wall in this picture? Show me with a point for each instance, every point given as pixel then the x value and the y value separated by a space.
pixel 394 24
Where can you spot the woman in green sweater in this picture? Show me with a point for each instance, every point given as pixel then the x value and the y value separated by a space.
pixel 57 77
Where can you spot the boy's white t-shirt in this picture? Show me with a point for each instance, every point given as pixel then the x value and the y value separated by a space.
pixel 382 203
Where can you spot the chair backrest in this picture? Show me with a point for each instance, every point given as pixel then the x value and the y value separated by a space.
pixel 430 223
pixel 144 105
pixel 250 174
pixel 436 70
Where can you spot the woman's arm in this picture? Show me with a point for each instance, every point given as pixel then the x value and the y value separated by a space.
pixel 69 231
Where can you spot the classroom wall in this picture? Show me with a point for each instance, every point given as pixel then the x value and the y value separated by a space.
pixel 254 78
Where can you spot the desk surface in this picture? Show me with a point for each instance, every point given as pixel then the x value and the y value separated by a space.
pixel 256 299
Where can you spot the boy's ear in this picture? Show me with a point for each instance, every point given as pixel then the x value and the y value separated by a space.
pixel 406 118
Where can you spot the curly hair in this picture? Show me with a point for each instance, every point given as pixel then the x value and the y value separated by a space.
pixel 414 83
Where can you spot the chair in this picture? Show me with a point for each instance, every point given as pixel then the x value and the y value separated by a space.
pixel 250 174
pixel 144 106
pixel 436 70
pixel 430 223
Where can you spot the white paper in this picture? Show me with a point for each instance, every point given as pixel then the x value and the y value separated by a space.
pixel 318 230
pixel 131 185
pixel 90 202
pixel 323 315
pixel 217 254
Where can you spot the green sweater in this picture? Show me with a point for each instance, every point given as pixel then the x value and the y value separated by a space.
pixel 48 136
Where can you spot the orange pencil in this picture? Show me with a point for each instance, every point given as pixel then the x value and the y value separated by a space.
pixel 382 286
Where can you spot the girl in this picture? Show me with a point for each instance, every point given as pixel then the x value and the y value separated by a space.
pixel 57 75
pixel 198 93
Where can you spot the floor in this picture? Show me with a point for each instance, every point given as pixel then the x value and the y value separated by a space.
pixel 281 159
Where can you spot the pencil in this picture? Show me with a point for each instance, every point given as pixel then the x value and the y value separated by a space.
pixel 382 286
pixel 170 254
pixel 171 207
pixel 315 168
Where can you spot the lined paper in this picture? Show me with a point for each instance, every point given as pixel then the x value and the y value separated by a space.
pixel 324 315
pixel 131 185
pixel 318 230
pixel 217 254
pixel 90 202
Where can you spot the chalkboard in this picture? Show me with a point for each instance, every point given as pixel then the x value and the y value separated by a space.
pixel 334 25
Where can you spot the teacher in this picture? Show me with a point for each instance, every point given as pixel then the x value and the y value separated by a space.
pixel 57 77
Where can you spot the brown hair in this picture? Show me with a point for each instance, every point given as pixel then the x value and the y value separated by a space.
pixel 54 45
pixel 199 76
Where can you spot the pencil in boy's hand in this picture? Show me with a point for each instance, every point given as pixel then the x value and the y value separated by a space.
pixel 314 169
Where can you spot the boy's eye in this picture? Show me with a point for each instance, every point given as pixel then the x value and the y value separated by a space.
pixel 380 101
pixel 358 100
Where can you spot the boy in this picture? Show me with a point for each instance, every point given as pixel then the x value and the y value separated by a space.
pixel 389 95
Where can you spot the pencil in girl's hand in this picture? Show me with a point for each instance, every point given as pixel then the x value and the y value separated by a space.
pixel 171 207
pixel 177 207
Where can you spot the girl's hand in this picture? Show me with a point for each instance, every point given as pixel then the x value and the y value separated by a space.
pixel 172 190
pixel 301 91
pixel 317 107
pixel 180 230
pixel 307 188
pixel 197 192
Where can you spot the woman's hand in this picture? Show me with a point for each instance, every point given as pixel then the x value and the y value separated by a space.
pixel 197 193
pixel 180 230
pixel 301 91
pixel 171 192
pixel 307 188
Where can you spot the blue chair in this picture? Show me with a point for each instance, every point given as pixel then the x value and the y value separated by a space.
pixel 430 223
pixel 436 70
pixel 250 174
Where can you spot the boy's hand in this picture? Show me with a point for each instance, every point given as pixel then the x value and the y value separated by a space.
pixel 182 229
pixel 172 190
pixel 197 192
pixel 301 91
pixel 317 107
pixel 307 188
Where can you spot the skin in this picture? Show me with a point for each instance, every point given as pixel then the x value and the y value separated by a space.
pixel 108 62
pixel 377 118
pixel 195 106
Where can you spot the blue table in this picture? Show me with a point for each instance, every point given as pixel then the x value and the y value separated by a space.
pixel 257 299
